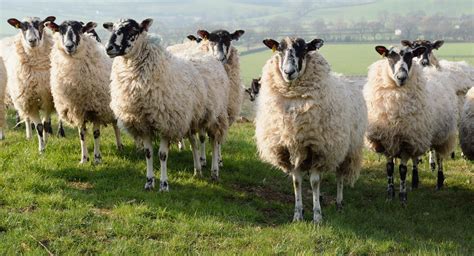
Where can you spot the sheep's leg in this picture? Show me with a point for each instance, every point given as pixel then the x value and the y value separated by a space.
pixel 403 175
pixel 150 175
pixel 297 180
pixel 28 128
pixel 414 178
pixel 82 136
pixel 47 125
pixel 432 161
pixel 315 180
pixel 202 139
pixel 182 145
pixel 215 160
pixel 61 132
pixel 195 150
pixel 221 163
pixel 39 131
pixel 390 170
pixel 340 189
pixel 17 119
pixel 118 138
pixel 97 154
pixel 163 153
pixel 440 181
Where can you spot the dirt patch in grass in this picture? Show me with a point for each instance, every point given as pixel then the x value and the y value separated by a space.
pixel 264 192
pixel 79 185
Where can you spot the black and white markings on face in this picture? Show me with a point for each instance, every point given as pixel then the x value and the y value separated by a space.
pixel 31 29
pixel 124 34
pixel 292 57
pixel 220 42
pixel 70 32
pixel 400 61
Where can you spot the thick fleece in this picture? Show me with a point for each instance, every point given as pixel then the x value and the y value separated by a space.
pixel 3 89
pixel 81 83
pixel 466 130
pixel 317 121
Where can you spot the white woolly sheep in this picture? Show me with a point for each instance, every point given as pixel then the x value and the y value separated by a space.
pixel 3 89
pixel 308 119
pixel 28 67
pixel 408 115
pixel 466 130
pixel 155 93
pixel 80 82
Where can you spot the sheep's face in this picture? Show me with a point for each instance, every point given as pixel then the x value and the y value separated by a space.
pixel 425 58
pixel 254 89
pixel 124 35
pixel 293 53
pixel 31 29
pixel 70 32
pixel 220 42
pixel 400 61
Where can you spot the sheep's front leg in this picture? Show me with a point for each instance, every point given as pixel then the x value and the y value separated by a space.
pixel 415 180
pixel 440 181
pixel 315 180
pixel 202 139
pixel 118 138
pixel 390 186
pixel 82 136
pixel 432 161
pixel 403 175
pixel 163 154
pixel 221 163
pixel 195 150
pixel 340 191
pixel 48 129
pixel 297 180
pixel 28 128
pixel 215 160
pixel 39 130
pixel 97 154
pixel 61 132
pixel 150 175
pixel 17 119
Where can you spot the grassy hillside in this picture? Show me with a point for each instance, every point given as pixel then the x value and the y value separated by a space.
pixel 51 203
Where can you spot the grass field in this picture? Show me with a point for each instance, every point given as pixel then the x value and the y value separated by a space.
pixel 51 203
pixel 351 59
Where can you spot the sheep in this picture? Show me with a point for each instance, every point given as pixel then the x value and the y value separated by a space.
pixel 254 88
pixel 28 66
pixel 155 93
pixel 3 88
pixel 80 78
pixel 466 130
pixel 459 75
pixel 307 119
pixel 408 115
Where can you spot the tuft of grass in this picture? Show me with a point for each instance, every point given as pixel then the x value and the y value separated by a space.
pixel 50 202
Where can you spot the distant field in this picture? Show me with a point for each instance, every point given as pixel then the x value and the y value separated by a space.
pixel 351 59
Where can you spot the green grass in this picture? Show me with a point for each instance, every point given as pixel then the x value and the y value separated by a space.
pixel 74 209
pixel 351 59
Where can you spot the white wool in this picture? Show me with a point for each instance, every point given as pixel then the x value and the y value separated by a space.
pixel 466 129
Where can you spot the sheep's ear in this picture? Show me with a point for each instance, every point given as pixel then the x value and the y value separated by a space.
pixel 437 44
pixel 256 85
pixel 406 43
pixel 314 45
pixel 51 25
pixel 49 18
pixel 237 34
pixel 203 34
pixel 15 23
pixel 192 38
pixel 272 44
pixel 381 50
pixel 146 24
pixel 109 26
pixel 417 52
pixel 89 27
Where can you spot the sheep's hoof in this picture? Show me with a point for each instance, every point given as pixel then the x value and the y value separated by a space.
pixel 433 167
pixel 221 163
pixel 84 160
pixel 299 215
pixel 390 193
pixel 339 206
pixel 203 162
pixel 440 182
pixel 61 133
pixel 403 198
pixel 197 173
pixel 150 184
pixel 164 186
pixel 215 176
pixel 120 148
pixel 97 159
pixel 317 218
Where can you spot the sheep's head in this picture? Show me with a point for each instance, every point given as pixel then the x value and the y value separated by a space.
pixel 293 53
pixel 400 61
pixel 31 29
pixel 70 32
pixel 124 35
pixel 425 59
pixel 193 38
pixel 254 89
pixel 220 41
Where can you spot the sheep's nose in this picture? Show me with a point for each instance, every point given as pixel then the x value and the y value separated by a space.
pixel 109 48
pixel 425 62
pixel 31 41
pixel 289 72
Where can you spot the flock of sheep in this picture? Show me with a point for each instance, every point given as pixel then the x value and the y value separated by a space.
pixel 308 119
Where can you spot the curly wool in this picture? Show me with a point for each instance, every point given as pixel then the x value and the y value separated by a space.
pixel 81 83
pixel 28 72
pixel 156 93
pixel 3 89
pixel 466 130
pixel 317 121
